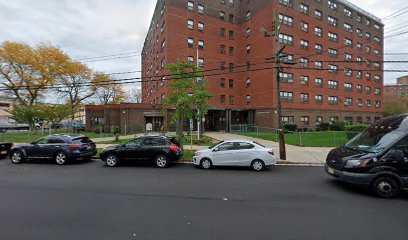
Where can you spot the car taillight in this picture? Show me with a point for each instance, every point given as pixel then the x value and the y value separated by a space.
pixel 174 148
pixel 271 152
pixel 74 147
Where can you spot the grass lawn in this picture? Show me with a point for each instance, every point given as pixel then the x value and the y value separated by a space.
pixel 188 154
pixel 306 139
pixel 28 137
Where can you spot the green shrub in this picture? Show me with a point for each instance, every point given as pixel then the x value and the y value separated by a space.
pixel 290 127
pixel 322 127
pixel 337 126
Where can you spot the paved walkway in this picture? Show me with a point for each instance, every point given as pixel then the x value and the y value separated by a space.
pixel 294 154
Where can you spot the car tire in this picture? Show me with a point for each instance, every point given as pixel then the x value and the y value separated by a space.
pixel 205 163
pixel 385 187
pixel 16 157
pixel 161 161
pixel 257 165
pixel 111 160
pixel 61 158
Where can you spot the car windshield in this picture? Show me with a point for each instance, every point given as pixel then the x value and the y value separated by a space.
pixel 376 138
pixel 212 146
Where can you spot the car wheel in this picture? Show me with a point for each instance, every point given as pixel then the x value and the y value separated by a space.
pixel 60 158
pixel 16 157
pixel 385 187
pixel 161 161
pixel 258 165
pixel 111 160
pixel 206 163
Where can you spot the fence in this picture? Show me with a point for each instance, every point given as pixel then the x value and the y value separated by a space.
pixel 299 138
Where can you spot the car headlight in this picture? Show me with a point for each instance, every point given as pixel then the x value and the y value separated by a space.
pixel 197 153
pixel 355 163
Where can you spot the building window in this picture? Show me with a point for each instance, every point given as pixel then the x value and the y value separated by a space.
pixel 285 77
pixel 332 37
pixel 358 18
pixel 318 48
pixel 285 39
pixel 333 84
pixel 248 15
pixel 333 100
pixel 332 5
pixel 359 88
pixel 304 120
pixel 348 72
pixel 334 119
pixel 248 99
pixel 248 82
pixel 359 102
pixel 319 82
pixel 348 87
pixel 222 66
pixel 377 40
pixel 318 65
pixel 348 57
pixel 231 51
pixel 377 104
pixel 231 83
pixel 304 97
pixel 359 32
pixel 163 63
pixel 190 42
pixel 368 103
pixel 368 90
pixel 222 49
pixel 201 27
pixel 288 119
pixel 285 19
pixel 190 5
pixel 190 24
pixel 318 14
pixel 248 32
pixel 333 53
pixel 348 42
pixel 222 99
pixel 348 12
pixel 304 80
pixel 201 62
pixel 304 44
pixel 200 8
pixel 359 46
pixel 286 2
pixel 304 8
pixel 231 100
pixel 201 44
pixel 231 18
pixel 231 3
pixel 222 15
pixel 222 82
pixel 319 99
pixel 190 59
pixel 333 68
pixel 286 96
pixel 377 91
pixel 319 119
pixel 332 21
pixel 348 27
pixel 318 31
pixel 304 62
pixel 222 32
pixel 377 78
pixel 231 67
pixel 231 35
pixel 368 35
pixel 248 49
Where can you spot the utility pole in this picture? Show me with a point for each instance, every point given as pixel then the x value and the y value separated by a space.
pixel 277 53
pixel 198 110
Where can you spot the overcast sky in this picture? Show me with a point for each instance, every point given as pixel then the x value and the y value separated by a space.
pixel 94 28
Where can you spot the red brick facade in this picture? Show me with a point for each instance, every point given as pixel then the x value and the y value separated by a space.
pixel 245 93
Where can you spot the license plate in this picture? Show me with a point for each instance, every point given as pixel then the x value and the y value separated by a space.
pixel 330 170
pixel 3 152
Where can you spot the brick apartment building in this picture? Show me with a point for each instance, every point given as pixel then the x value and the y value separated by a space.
pixel 337 48
pixel 399 90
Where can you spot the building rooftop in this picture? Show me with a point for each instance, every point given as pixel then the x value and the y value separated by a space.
pixel 358 9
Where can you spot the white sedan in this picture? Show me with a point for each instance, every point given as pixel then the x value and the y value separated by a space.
pixel 235 153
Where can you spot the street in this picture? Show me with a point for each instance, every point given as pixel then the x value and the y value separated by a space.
pixel 90 201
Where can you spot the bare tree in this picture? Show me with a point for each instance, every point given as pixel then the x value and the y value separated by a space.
pixel 135 95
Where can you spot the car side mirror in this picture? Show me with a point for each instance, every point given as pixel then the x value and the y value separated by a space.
pixel 395 154
pixel 215 150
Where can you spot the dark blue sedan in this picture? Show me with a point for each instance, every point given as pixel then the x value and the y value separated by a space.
pixel 59 147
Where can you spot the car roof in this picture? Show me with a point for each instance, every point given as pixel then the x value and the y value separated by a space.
pixel 70 136
pixel 239 140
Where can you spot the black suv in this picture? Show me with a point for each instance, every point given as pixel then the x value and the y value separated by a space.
pixel 59 147
pixel 160 150
pixel 377 158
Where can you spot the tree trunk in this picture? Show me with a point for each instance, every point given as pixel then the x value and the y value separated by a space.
pixel 179 128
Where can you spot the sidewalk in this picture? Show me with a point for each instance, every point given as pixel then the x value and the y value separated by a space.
pixel 294 154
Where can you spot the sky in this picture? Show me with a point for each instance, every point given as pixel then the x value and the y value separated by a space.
pixel 88 29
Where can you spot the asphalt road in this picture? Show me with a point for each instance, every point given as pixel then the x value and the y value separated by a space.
pixel 89 201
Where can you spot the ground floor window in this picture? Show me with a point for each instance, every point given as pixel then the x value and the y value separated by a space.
pixel 288 120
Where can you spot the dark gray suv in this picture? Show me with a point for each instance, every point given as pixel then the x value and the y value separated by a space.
pixel 59 147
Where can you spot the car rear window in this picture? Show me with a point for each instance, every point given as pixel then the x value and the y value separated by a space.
pixel 259 144
pixel 174 141
pixel 81 140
